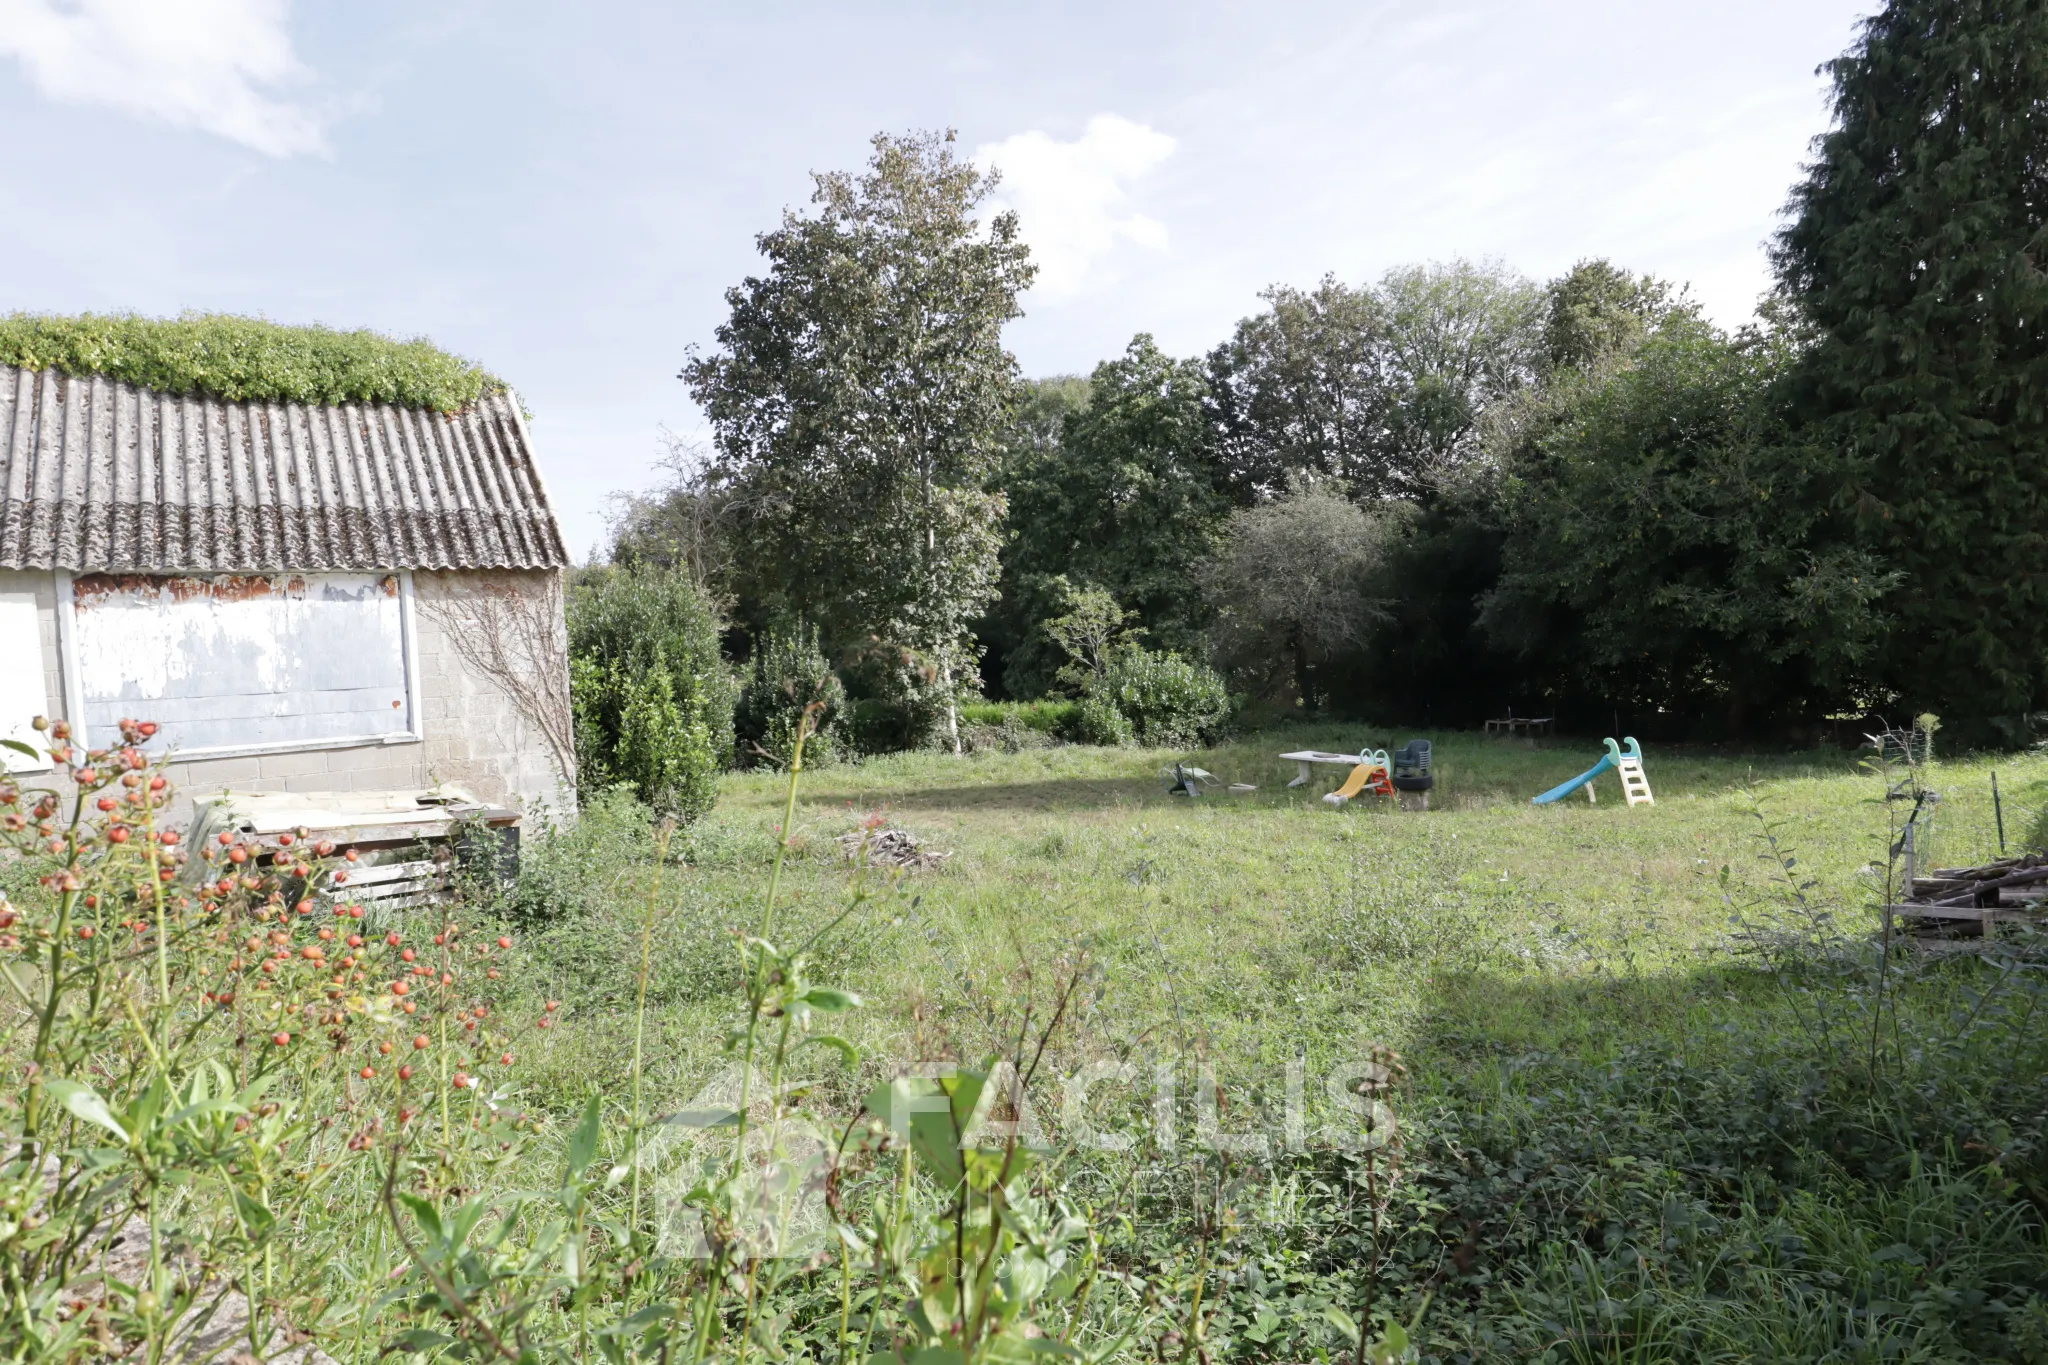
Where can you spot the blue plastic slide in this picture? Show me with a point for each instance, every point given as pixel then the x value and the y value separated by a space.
pixel 1607 764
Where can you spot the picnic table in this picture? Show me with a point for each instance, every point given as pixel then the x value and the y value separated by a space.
pixel 1530 725
pixel 1303 758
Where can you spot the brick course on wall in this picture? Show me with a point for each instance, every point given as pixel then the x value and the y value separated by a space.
pixel 477 735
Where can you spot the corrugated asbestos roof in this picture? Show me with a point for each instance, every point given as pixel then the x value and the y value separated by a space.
pixel 102 477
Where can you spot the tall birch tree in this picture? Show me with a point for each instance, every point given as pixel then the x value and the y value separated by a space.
pixel 857 395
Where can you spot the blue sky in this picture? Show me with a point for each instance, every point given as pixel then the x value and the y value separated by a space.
pixel 564 191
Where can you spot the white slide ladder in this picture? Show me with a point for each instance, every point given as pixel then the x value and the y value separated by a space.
pixel 1634 785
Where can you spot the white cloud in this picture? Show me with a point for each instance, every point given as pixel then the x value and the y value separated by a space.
pixel 213 65
pixel 1071 199
pixel 1428 31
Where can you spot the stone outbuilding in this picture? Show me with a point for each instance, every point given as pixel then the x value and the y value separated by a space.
pixel 357 598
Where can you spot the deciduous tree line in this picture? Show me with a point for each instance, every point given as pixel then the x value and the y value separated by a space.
pixel 1448 491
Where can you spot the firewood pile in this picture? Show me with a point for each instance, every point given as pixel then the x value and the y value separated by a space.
pixel 890 847
pixel 1965 899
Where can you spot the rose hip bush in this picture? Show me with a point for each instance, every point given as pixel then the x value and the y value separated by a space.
pixel 244 1116
pixel 210 1059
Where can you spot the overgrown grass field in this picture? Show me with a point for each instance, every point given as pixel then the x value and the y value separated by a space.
pixel 1271 920
pixel 1642 1119
pixel 1488 1082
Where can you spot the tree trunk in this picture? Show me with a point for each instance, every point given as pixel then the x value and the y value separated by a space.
pixel 952 711
pixel 1738 714
pixel 931 575
pixel 1304 680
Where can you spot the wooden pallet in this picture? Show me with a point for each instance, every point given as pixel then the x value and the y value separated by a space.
pixel 1948 929
pixel 1968 914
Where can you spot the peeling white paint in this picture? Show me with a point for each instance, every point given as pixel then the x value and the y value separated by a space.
pixel 240 664
pixel 21 679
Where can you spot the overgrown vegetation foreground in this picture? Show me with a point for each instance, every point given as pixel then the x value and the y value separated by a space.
pixel 1493 1082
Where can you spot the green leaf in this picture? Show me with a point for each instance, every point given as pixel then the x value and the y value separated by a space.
pixel 253 1091
pixel 417 1339
pixel 939 1355
pixel 583 1142
pixel 85 1103
pixel 464 1223
pixel 936 1132
pixel 425 1214
pixel 829 1000
pixel 1341 1320
pixel 255 1218
pixel 917 1108
pixel 204 1109
pixel 142 1113
pixel 653 1313
pixel 21 748
pixel 846 1050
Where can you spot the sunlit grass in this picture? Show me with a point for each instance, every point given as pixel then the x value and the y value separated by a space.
pixel 1271 923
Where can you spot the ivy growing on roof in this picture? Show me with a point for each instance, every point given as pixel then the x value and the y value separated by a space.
pixel 244 359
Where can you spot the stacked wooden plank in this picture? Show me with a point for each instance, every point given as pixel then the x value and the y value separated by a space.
pixel 1965 899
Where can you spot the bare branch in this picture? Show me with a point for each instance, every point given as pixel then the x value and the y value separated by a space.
pixel 506 631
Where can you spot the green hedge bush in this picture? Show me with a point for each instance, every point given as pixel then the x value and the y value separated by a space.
pixel 1169 701
pixel 1141 697
pixel 1097 721
pixel 246 359
pixel 653 700
pixel 788 673
pixel 1048 716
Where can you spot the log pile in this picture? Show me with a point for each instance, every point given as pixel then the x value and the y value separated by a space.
pixel 1965 899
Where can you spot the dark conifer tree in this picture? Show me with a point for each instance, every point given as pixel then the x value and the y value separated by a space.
pixel 1917 252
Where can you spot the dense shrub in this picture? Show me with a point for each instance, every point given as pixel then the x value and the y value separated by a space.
pixel 898 701
pixel 244 359
pixel 207 1088
pixel 1169 701
pixel 572 872
pixel 1097 721
pixel 789 673
pixel 653 700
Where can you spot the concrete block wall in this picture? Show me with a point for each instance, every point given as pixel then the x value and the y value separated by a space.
pixel 476 734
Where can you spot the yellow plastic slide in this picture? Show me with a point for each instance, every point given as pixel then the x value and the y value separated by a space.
pixel 1355 783
pixel 1361 777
